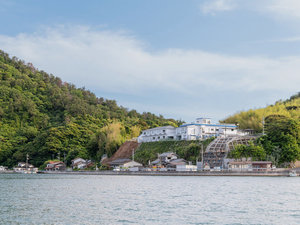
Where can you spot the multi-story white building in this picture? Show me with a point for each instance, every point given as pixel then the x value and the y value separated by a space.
pixel 201 129
pixel 157 134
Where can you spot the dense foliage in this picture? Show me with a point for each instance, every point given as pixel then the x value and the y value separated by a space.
pixel 280 144
pixel 282 130
pixel 252 119
pixel 47 118
pixel 282 139
pixel 188 150
pixel 255 152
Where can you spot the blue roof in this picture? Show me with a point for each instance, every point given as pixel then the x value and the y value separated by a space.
pixel 210 125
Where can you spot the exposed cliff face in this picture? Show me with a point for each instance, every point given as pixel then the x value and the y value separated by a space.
pixel 124 152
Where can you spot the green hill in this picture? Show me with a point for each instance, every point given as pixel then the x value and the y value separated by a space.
pixel 253 118
pixel 47 118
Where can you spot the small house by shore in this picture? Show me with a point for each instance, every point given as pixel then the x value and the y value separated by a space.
pixel 125 164
pixel 250 165
pixel 80 163
pixel 55 166
pixel 23 167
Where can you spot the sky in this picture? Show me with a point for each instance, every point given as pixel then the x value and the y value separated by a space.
pixel 182 59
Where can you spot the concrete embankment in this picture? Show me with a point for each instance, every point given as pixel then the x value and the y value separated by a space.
pixel 282 173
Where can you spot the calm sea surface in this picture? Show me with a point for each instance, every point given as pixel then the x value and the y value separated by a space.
pixel 88 199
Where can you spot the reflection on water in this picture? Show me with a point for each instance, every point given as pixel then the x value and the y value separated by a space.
pixel 86 199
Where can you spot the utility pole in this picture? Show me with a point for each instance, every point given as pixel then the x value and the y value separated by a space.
pixel 65 159
pixel 133 154
pixel 27 158
pixel 263 125
pixel 202 155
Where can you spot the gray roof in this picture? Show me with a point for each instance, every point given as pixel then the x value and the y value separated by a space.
pixel 155 162
pixel 167 154
pixel 178 162
pixel 119 161
pixel 164 127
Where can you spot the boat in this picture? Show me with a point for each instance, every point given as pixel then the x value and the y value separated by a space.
pixel 293 173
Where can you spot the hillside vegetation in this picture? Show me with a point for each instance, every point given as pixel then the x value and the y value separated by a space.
pixel 281 142
pixel 253 118
pixel 188 150
pixel 47 118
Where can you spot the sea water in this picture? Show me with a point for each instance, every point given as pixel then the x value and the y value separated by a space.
pixel 98 199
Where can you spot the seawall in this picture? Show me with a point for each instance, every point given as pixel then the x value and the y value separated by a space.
pixel 282 173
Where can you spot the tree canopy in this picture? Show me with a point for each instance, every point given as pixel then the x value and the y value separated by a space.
pixel 45 117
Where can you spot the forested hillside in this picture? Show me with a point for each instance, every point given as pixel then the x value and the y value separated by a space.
pixel 47 118
pixel 281 142
pixel 253 118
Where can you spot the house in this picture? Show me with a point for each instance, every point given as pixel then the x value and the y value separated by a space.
pixel 3 168
pixel 164 159
pixel 55 166
pixel 125 164
pixel 23 167
pixel 80 163
pixel 119 162
pixel 186 168
pixel 250 165
pixel 168 160
pixel 201 129
pixel 131 164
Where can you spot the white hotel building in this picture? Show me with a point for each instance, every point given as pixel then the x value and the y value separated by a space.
pixel 201 129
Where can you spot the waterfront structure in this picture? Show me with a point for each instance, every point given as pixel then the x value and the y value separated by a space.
pixel 23 167
pixel 124 164
pixel 119 162
pixel 164 159
pixel 132 164
pixel 55 166
pixel 249 165
pixel 186 168
pixel 168 160
pixel 201 129
pixel 80 163
pixel 3 168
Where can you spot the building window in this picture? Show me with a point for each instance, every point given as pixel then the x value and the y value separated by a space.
pixel 153 138
pixel 158 137
pixel 164 137
pixel 232 129
pixel 164 131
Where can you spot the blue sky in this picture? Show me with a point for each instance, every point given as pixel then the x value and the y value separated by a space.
pixel 181 59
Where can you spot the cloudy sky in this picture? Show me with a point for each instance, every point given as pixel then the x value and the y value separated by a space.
pixel 179 58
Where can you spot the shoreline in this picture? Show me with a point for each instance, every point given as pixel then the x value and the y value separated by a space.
pixel 158 173
pixel 281 173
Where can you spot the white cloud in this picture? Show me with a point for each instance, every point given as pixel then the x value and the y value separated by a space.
pixel 278 9
pixel 284 8
pixel 213 6
pixel 115 62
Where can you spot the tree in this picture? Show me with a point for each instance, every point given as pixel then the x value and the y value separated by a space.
pixel 281 141
pixel 256 152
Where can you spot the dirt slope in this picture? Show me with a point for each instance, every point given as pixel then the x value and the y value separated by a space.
pixel 125 151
